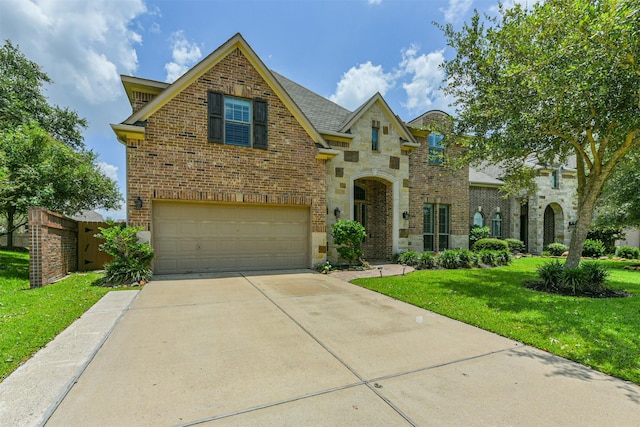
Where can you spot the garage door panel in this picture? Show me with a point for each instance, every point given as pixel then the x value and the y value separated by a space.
pixel 209 237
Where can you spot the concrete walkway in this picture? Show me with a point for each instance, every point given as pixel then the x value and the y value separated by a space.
pixel 300 348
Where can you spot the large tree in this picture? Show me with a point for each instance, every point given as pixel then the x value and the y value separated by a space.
pixel 43 159
pixel 559 79
pixel 620 202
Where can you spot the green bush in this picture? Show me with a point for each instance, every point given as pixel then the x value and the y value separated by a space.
pixel 607 234
pixel 551 273
pixel 476 233
pixel 349 234
pixel 556 249
pixel 515 245
pixel 588 277
pixel 504 258
pixel 487 257
pixel 131 258
pixel 628 252
pixel 409 258
pixel 595 275
pixel 491 244
pixel 428 260
pixel 467 259
pixel 449 259
pixel 593 248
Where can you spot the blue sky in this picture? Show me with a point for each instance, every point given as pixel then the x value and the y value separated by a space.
pixel 344 50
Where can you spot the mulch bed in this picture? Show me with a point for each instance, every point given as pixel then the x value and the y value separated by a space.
pixel 600 293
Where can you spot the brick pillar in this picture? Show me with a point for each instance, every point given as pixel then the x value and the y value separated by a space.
pixel 38 231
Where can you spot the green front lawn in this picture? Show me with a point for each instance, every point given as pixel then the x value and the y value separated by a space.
pixel 601 333
pixel 30 318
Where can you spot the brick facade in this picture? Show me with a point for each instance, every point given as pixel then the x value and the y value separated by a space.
pixel 54 246
pixel 175 161
pixel 438 185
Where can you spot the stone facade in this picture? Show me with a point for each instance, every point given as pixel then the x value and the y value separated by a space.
pixel 536 219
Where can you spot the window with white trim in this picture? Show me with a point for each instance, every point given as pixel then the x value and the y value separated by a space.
pixel 237 121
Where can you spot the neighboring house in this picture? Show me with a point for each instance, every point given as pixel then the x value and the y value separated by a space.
pixel 538 219
pixel 235 167
pixel 88 216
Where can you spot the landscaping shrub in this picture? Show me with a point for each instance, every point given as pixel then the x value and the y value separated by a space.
pixel 131 258
pixel 587 279
pixel 349 234
pixel 595 275
pixel 450 259
pixel 593 248
pixel 487 257
pixel 476 233
pixel 504 258
pixel 409 258
pixel 491 244
pixel 628 252
pixel 607 234
pixel 515 245
pixel 467 259
pixel 551 273
pixel 428 260
pixel 556 249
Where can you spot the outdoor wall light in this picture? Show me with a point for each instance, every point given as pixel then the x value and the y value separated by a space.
pixel 572 223
pixel 405 214
pixel 336 212
pixel 138 203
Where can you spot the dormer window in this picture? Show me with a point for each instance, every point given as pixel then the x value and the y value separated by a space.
pixel 436 149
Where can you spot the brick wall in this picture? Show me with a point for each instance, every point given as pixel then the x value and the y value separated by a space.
pixel 54 246
pixel 438 185
pixel 491 202
pixel 175 161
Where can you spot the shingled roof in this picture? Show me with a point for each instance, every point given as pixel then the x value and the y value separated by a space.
pixel 322 113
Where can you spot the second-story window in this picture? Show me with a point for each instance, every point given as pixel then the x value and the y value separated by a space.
pixel 237 121
pixel 555 179
pixel 375 130
pixel 436 149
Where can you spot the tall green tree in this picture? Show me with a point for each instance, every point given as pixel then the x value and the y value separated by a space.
pixel 559 79
pixel 43 159
pixel 37 170
pixel 620 202
pixel 22 100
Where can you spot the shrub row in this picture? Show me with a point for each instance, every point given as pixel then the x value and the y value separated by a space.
pixel 594 249
pixel 455 258
pixel 588 277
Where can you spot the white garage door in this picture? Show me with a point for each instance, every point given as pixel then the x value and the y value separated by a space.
pixel 203 237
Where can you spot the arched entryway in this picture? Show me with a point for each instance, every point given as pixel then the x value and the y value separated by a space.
pixel 553 230
pixel 373 208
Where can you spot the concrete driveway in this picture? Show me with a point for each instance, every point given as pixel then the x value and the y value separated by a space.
pixel 299 348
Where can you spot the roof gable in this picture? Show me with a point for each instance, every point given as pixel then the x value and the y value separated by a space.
pixel 236 42
pixel 393 119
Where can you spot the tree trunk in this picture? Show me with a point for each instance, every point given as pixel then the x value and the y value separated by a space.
pixel 10 217
pixel 587 197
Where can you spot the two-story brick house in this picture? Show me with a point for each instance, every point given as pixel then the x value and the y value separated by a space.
pixel 235 167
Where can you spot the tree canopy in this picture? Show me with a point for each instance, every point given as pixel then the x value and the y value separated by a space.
pixel 43 159
pixel 556 80
pixel 620 203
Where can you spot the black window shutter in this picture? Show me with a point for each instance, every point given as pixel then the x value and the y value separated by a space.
pixel 216 110
pixel 260 119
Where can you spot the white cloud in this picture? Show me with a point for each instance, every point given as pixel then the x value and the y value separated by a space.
pixel 456 10
pixel 423 91
pixel 374 1
pixel 82 46
pixel 361 83
pixel 184 53
pixel 109 170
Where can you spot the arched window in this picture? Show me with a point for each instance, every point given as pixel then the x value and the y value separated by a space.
pixel 478 219
pixel 496 225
